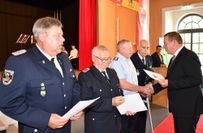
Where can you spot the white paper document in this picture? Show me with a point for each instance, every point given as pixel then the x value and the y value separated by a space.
pixel 78 107
pixel 133 103
pixel 153 75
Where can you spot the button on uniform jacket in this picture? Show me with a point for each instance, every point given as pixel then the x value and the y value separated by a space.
pixel 36 89
pixel 101 116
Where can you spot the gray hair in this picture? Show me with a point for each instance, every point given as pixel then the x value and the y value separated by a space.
pixel 43 24
pixel 98 49
pixel 121 43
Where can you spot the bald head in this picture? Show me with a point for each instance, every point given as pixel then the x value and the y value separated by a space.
pixel 143 48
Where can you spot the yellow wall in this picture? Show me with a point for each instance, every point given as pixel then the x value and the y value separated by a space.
pixel 155 21
pixel 108 15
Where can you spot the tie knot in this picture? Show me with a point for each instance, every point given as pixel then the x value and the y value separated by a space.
pixel 173 58
pixel 143 60
pixel 52 60
pixel 103 72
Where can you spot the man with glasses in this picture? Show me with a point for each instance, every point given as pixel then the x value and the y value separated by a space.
pixel 128 81
pixel 100 81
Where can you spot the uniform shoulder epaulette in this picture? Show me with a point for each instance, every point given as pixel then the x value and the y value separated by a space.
pixel 86 70
pixel 115 58
pixel 19 52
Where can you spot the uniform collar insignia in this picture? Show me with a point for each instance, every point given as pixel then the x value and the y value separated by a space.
pixel 7 77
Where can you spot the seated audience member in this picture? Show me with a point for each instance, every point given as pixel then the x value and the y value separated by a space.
pixel 73 57
pixel 157 58
pixel 101 81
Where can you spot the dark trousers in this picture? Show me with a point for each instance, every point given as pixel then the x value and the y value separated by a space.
pixel 141 122
pixel 134 124
pixel 185 124
pixel 74 63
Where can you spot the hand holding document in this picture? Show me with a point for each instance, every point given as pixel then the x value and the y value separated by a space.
pixel 78 107
pixel 133 103
pixel 153 75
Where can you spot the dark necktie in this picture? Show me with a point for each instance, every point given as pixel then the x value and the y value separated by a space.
pixel 172 60
pixel 105 76
pixel 143 61
pixel 52 60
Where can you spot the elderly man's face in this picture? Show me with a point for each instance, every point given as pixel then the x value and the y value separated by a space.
pixel 143 48
pixel 102 60
pixel 53 40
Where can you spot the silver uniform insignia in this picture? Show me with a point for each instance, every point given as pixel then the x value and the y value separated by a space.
pixel 115 58
pixel 86 70
pixel 7 77
pixel 19 52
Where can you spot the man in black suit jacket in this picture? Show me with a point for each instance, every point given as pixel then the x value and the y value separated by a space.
pixel 157 58
pixel 183 80
pixel 101 81
pixel 141 60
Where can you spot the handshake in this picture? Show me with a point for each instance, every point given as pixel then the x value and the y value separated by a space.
pixel 148 89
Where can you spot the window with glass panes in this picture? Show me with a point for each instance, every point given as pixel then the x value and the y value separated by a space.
pixel 190 28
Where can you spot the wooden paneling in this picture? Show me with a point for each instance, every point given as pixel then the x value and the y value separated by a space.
pixel 160 98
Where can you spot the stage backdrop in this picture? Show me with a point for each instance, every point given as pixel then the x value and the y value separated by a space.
pixel 87 32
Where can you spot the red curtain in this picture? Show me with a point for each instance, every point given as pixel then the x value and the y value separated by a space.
pixel 87 32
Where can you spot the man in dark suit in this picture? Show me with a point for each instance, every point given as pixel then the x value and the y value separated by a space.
pixel 183 80
pixel 141 60
pixel 157 58
pixel 36 91
pixel 101 81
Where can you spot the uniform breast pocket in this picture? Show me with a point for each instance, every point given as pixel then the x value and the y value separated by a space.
pixel 41 88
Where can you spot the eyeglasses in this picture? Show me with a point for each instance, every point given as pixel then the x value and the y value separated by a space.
pixel 103 59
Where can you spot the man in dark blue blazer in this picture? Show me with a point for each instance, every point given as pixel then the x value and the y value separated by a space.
pixel 157 58
pixel 141 60
pixel 101 81
pixel 36 91
pixel 183 81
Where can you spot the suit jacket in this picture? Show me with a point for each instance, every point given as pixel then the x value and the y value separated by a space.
pixel 184 79
pixel 36 90
pixel 143 78
pixel 156 61
pixel 101 116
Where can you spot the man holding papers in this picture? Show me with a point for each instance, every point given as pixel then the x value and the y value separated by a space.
pixel 128 81
pixel 100 81
pixel 36 91
pixel 184 78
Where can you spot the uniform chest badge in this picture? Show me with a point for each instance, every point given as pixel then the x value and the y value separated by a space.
pixel 7 77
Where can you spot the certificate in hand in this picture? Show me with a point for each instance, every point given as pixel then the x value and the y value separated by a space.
pixel 133 103
pixel 78 107
pixel 153 75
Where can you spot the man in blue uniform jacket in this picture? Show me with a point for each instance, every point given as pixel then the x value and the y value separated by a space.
pixel 101 81
pixel 36 91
